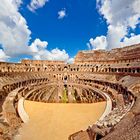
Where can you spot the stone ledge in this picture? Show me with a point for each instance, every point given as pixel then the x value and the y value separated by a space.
pixel 22 113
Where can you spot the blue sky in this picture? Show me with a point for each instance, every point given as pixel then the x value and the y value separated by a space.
pixel 58 29
pixel 82 22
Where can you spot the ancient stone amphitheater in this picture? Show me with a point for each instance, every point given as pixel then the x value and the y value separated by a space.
pixel 95 76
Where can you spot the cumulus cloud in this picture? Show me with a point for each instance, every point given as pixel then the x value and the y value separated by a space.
pixel 120 12
pixel 35 4
pixel 97 43
pixel 61 14
pixel 38 49
pixel 15 36
pixel 114 35
pixel 120 16
pixel 57 54
pixel 14 32
pixel 134 39
pixel 37 45
pixel 3 56
pixel 70 60
pixel 17 2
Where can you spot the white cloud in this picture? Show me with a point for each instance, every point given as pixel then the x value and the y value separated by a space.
pixel 15 36
pixel 14 32
pixel 114 36
pixel 89 45
pixel 38 49
pixel 98 43
pixel 37 45
pixel 120 12
pixel 70 60
pixel 134 39
pixel 61 14
pixel 3 56
pixel 120 15
pixel 57 54
pixel 17 2
pixel 35 4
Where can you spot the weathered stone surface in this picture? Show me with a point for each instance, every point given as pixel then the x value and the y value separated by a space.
pixel 115 72
pixel 82 135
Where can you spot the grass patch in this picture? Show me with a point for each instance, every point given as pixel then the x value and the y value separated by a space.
pixel 64 96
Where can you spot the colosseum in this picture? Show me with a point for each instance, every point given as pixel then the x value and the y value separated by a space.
pixel 105 84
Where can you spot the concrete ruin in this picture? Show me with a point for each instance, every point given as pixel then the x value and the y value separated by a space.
pixel 95 76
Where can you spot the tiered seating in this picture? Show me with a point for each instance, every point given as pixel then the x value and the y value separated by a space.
pixel 115 73
pixel 114 116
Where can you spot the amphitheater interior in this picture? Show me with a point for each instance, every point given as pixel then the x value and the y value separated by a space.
pixel 95 76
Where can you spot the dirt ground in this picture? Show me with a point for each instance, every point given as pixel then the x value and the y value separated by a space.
pixel 56 121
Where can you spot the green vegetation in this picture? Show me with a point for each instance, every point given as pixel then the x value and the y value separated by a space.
pixel 64 96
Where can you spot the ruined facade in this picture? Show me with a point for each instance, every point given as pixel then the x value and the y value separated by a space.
pixel 94 76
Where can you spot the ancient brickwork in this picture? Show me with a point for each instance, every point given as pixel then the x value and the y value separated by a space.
pixel 92 76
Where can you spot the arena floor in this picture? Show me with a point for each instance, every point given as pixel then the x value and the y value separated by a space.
pixel 53 121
